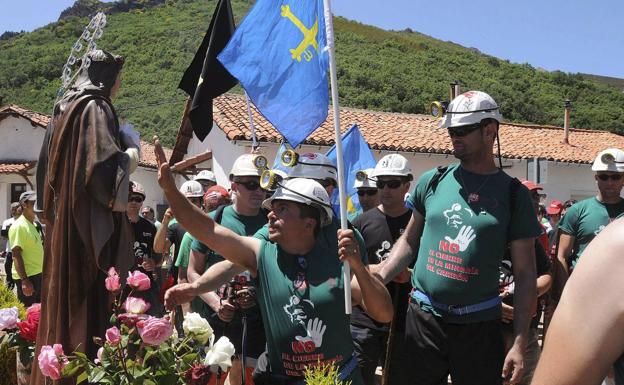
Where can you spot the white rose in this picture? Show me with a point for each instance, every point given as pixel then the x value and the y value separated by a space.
pixel 8 318
pixel 198 328
pixel 220 354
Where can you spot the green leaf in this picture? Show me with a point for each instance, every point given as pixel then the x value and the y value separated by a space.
pixel 71 368
pixel 96 375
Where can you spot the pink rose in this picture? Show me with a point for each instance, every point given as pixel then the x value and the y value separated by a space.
pixel 154 331
pixel 52 360
pixel 113 336
pixel 138 281
pixel 136 305
pixel 112 281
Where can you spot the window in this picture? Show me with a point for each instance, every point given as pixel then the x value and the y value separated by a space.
pixel 16 190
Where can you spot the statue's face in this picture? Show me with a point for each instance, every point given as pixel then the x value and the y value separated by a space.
pixel 116 86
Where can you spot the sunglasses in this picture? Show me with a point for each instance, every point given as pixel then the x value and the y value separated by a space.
pixel 250 185
pixel 463 130
pixel 606 177
pixel 136 199
pixel 370 192
pixel 395 183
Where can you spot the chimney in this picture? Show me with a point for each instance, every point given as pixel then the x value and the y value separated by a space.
pixel 454 90
pixel 566 121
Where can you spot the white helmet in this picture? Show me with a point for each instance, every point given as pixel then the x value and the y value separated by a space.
pixel 470 108
pixel 205 175
pixel 248 165
pixel 393 164
pixel 306 191
pixel 610 159
pixel 368 182
pixel 314 165
pixel 137 188
pixel 192 189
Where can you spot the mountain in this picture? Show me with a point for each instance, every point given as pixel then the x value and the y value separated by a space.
pixel 400 71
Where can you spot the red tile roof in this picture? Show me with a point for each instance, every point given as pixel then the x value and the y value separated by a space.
pixel 148 159
pixel 16 168
pixel 419 133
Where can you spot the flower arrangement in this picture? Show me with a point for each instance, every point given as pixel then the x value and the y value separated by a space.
pixel 323 374
pixel 141 349
pixel 20 334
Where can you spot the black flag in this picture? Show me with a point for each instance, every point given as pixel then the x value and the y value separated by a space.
pixel 206 78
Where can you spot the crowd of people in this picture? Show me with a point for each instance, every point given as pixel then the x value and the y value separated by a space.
pixel 452 270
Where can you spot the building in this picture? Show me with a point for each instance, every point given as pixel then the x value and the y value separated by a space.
pixel 532 152
pixel 21 135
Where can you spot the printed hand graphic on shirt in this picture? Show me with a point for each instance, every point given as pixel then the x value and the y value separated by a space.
pixel 464 237
pixel 295 309
pixel 315 331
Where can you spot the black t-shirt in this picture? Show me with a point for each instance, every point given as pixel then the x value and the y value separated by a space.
pixel 144 234
pixel 175 233
pixel 380 232
pixel 543 266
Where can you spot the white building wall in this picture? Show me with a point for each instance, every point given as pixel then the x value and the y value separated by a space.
pixel 565 181
pixel 147 177
pixel 20 139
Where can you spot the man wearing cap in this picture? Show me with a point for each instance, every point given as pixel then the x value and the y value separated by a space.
pixel 367 191
pixel 298 280
pixel 586 219
pixel 226 307
pixel 206 178
pixel 554 210
pixel 381 227
pixel 216 196
pixel 145 259
pixel 27 248
pixel 464 217
pixel 16 211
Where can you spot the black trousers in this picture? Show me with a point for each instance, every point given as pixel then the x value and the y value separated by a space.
pixel 473 354
pixel 36 297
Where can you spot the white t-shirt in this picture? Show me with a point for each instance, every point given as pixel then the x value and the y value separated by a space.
pixel 5 225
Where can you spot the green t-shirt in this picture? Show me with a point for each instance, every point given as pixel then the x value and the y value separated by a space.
pixel 328 235
pixel 302 304
pixel 464 240
pixel 24 234
pixel 240 224
pixel 185 248
pixel 585 219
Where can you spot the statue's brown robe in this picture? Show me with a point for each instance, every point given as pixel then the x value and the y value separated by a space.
pixel 85 191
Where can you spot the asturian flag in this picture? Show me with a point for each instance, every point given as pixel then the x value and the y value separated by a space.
pixel 278 54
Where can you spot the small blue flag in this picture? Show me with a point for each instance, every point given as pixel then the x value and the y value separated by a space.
pixel 278 55
pixel 356 156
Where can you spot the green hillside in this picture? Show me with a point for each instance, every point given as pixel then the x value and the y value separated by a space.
pixel 377 69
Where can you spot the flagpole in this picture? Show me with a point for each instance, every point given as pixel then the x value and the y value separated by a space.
pixel 342 196
pixel 254 141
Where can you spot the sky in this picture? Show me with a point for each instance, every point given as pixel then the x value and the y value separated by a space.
pixel 568 35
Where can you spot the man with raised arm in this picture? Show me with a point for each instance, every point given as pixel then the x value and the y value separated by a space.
pixel 298 279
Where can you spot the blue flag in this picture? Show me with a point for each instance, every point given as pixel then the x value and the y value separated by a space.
pixel 356 156
pixel 278 55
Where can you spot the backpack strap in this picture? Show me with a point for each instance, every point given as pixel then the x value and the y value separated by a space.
pixel 219 213
pixel 514 187
pixel 433 183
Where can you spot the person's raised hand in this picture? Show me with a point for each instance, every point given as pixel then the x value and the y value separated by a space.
pixel 165 177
